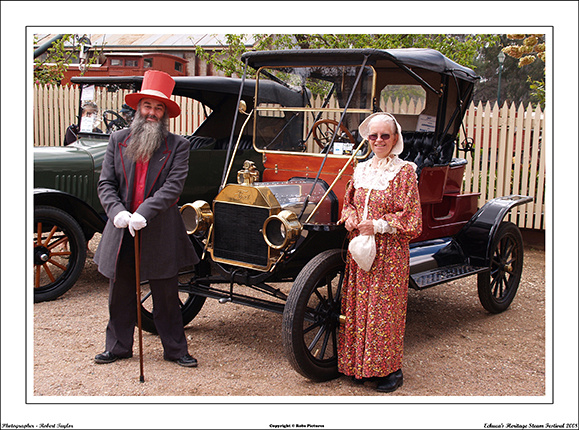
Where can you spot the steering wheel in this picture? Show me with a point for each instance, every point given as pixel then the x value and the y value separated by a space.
pixel 115 124
pixel 324 130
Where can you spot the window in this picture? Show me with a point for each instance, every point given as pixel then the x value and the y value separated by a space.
pixel 131 63
pixel 116 62
pixel 299 108
pixel 178 66
pixel 148 63
pixel 408 104
pixel 407 99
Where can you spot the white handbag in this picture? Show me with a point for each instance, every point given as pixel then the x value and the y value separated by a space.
pixel 363 247
pixel 363 250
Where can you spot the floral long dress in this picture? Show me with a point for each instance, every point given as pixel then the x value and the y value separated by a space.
pixel 370 342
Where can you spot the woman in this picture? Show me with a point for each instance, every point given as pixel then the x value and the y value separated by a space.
pixel 370 343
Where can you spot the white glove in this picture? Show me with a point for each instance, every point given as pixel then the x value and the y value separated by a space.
pixel 381 226
pixel 137 222
pixel 122 219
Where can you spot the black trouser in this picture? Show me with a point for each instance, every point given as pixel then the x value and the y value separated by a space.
pixel 123 308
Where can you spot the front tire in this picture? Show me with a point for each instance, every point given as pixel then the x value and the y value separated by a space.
pixel 59 252
pixel 498 286
pixel 311 317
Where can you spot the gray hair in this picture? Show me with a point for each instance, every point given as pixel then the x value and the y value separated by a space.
pixel 383 116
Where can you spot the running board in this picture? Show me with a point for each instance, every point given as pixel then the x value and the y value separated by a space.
pixel 444 274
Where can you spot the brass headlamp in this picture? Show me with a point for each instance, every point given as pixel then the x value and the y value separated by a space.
pixel 281 230
pixel 197 216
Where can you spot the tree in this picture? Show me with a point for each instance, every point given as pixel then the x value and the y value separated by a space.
pixel 477 51
pixel 49 68
pixel 515 80
pixel 531 48
pixel 462 48
pixel 228 60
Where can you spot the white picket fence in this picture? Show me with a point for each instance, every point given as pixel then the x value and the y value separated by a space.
pixel 57 107
pixel 509 156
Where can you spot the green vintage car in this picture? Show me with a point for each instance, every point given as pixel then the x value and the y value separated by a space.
pixel 67 211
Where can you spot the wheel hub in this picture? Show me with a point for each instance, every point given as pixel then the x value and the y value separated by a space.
pixel 41 255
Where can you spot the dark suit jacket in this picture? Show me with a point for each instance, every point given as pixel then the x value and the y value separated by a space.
pixel 165 246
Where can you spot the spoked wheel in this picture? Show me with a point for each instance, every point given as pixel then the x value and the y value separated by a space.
pixel 325 129
pixel 190 304
pixel 59 252
pixel 311 317
pixel 497 287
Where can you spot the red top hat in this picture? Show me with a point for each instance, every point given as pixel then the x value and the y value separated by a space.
pixel 159 86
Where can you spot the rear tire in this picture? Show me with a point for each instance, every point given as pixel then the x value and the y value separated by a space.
pixel 497 287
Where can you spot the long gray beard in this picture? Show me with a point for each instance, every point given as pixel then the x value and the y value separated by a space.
pixel 146 137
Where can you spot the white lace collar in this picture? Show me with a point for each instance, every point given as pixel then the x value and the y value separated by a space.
pixel 376 173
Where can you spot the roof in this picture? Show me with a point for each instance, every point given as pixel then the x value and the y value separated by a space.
pixel 428 59
pixel 152 41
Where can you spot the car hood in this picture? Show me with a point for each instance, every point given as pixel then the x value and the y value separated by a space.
pixel 78 158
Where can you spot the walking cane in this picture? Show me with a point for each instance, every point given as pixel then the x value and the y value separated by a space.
pixel 138 277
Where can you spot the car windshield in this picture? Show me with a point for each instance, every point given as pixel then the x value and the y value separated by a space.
pixel 102 110
pixel 315 121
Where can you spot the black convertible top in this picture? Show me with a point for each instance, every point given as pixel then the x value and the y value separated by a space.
pixel 209 90
pixel 428 59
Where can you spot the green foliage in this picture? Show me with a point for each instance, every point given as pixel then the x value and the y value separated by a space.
pixel 228 59
pixel 527 48
pixel 462 48
pixel 404 93
pixel 50 68
pixel 537 90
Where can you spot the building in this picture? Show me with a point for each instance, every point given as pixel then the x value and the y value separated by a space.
pixel 133 54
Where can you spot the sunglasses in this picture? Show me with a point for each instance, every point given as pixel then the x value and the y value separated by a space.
pixel 374 137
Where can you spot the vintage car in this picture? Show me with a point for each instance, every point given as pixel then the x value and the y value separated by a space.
pixel 271 240
pixel 67 211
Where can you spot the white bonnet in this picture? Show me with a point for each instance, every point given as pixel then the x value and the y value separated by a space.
pixel 364 130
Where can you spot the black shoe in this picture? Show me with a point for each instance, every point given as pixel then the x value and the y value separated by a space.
pixel 391 382
pixel 185 361
pixel 359 381
pixel 108 357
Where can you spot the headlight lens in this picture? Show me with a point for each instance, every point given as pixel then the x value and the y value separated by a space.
pixel 197 216
pixel 281 230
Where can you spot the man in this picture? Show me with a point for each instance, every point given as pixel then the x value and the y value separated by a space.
pixel 142 177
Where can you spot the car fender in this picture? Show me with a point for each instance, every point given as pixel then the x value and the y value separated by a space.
pixel 477 236
pixel 89 220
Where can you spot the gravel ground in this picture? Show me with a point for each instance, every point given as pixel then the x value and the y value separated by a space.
pixel 453 347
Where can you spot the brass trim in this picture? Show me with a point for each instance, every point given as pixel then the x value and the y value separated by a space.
pixel 256 91
pixel 259 196
pixel 338 176
pixel 289 221
pixel 253 197
pixel 203 216
pixel 242 106
pixel 306 109
pixel 235 150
